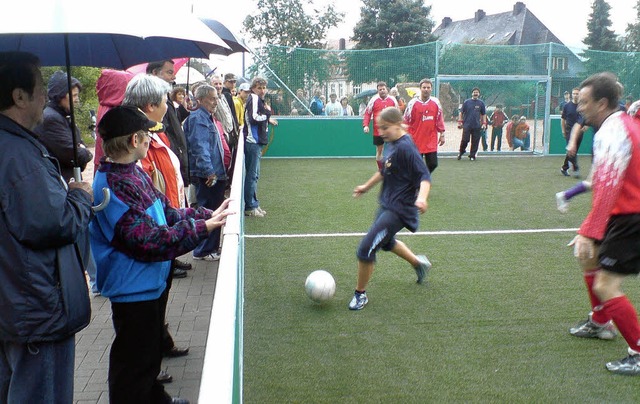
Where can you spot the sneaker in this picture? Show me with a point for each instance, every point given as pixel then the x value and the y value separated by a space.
pixel 561 202
pixel 472 158
pixel 253 212
pixel 629 366
pixel 208 257
pixel 359 301
pixel 564 172
pixel 423 267
pixel 576 173
pixel 460 156
pixel 589 329
pixel 264 212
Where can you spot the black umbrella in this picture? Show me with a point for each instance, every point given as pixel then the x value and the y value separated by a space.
pixel 236 44
pixel 62 32
pixel 69 32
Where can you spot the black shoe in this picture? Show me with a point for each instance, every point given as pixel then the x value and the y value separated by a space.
pixel 178 400
pixel 564 172
pixel 176 352
pixel 179 273
pixel 459 156
pixel 164 377
pixel 185 266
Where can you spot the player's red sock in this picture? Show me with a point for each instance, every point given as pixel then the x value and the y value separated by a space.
pixel 599 316
pixel 624 315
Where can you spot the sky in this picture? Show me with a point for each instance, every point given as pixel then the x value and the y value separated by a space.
pixel 567 19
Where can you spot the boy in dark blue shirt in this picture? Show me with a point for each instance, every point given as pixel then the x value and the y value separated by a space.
pixel 406 182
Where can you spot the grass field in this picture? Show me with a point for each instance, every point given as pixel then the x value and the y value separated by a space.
pixel 489 325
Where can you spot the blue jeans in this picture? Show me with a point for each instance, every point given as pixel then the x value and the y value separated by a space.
pixel 252 155
pixel 210 198
pixel 38 372
pixel 523 144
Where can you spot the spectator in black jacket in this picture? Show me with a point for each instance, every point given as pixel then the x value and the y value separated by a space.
pixel 42 288
pixel 55 130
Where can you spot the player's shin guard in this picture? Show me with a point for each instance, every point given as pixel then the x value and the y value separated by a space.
pixel 625 317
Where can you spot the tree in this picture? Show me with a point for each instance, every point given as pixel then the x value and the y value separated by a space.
pixel 404 25
pixel 600 35
pixel 632 37
pixel 285 26
pixel 393 23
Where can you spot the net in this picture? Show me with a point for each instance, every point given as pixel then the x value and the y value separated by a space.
pixel 297 74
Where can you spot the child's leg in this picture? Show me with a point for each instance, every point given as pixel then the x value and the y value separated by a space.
pixel 402 251
pixel 380 235
pixel 493 138
pixel 365 270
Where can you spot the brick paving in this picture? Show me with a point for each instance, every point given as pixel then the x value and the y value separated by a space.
pixel 188 314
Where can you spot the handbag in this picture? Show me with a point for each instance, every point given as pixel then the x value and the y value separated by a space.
pixel 157 179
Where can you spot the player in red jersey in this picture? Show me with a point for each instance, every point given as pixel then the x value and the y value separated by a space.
pixel 424 117
pixel 374 107
pixel 608 241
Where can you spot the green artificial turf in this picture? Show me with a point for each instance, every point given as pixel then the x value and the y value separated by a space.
pixel 489 325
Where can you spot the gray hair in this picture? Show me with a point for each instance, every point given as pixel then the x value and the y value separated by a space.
pixel 145 89
pixel 204 91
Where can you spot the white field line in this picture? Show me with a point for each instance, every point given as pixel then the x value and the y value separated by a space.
pixel 418 233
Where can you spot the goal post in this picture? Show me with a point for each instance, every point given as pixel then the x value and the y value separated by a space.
pixel 535 79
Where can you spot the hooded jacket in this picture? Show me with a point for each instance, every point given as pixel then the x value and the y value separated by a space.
pixel 55 134
pixel 110 89
pixel 55 131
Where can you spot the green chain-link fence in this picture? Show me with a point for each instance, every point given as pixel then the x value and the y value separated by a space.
pixel 354 73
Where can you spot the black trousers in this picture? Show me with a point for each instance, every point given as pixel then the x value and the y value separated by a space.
pixel 572 159
pixel 167 339
pixel 136 354
pixel 431 160
pixel 470 134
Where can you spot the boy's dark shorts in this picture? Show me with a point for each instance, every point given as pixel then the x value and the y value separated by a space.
pixel 620 249
pixel 377 140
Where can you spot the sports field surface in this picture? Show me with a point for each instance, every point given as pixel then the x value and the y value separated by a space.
pixel 490 324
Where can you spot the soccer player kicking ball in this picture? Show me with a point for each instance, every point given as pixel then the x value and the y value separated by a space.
pixel 405 187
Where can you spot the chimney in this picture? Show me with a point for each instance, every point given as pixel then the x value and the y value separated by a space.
pixel 446 21
pixel 479 15
pixel 518 8
pixel 342 44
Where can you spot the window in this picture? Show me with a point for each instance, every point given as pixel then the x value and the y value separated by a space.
pixel 557 63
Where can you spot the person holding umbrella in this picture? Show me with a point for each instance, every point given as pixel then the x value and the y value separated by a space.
pixel 43 290
pixel 55 131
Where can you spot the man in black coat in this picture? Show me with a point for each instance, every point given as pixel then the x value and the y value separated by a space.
pixel 55 130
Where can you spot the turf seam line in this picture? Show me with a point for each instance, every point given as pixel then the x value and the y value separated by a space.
pixel 418 233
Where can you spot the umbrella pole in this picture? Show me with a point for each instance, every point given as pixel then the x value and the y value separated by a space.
pixel 77 174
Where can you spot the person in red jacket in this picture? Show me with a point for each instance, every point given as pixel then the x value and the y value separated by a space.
pixel 424 117
pixel 376 104
pixel 498 120
pixel 608 242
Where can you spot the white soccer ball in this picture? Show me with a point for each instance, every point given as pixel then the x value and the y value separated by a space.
pixel 320 286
